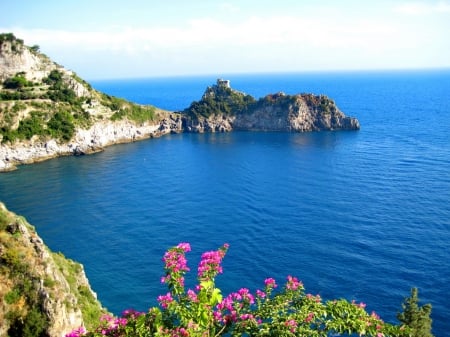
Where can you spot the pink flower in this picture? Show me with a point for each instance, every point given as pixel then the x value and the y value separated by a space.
pixel 165 300
pixel 131 313
pixel 209 265
pixel 186 247
pixel 310 317
pixel 192 295
pixel 291 324
pixel 270 283
pixel 77 332
pixel 245 317
pixel 293 283
pixel 260 294
pixel 246 295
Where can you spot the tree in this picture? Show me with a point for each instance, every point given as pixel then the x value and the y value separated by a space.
pixel 35 48
pixel 416 317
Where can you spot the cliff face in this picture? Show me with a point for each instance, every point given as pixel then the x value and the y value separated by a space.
pixel 41 292
pixel 85 141
pixel 224 109
pixel 298 113
pixel 46 111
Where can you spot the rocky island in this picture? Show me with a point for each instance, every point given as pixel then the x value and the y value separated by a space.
pixel 47 111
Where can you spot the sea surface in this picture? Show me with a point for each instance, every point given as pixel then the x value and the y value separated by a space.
pixel 362 215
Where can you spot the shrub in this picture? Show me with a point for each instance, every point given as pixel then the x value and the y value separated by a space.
pixel 16 82
pixel 55 76
pixel 415 316
pixel 61 126
pixel 30 126
pixel 35 48
pixel 9 37
pixel 12 296
pixel 204 311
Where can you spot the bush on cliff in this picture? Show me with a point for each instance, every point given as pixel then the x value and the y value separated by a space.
pixel 205 312
pixel 220 100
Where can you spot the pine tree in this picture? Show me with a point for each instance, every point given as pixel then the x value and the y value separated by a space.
pixel 416 317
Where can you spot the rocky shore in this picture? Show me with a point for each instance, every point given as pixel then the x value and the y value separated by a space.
pixel 85 141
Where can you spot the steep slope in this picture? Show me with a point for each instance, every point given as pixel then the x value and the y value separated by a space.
pixel 47 111
pixel 42 293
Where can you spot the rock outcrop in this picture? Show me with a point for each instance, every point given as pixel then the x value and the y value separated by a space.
pixel 224 109
pixel 296 113
pixel 41 291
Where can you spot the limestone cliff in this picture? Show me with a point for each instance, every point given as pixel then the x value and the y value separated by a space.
pixel 47 111
pixel 224 109
pixel 42 293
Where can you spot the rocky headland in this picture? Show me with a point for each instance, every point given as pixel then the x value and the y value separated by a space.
pixel 47 111
pixel 225 109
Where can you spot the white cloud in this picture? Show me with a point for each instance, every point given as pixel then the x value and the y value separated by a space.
pixel 229 7
pixel 423 8
pixel 328 40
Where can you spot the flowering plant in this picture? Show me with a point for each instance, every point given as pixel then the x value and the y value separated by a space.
pixel 270 311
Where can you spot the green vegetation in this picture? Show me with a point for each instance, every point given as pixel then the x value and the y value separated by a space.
pixel 220 100
pixel 416 317
pixel 270 311
pixel 86 302
pixel 57 119
pixel 61 126
pixel 9 37
pixel 59 91
pixel 17 82
pixel 34 324
pixel 24 314
pixel 137 113
pixel 19 265
pixel 124 109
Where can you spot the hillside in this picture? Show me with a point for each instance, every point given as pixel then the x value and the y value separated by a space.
pixel 42 293
pixel 48 111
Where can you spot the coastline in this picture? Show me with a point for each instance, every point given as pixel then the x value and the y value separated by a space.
pixel 92 140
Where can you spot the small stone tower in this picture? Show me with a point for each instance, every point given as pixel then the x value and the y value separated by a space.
pixel 223 83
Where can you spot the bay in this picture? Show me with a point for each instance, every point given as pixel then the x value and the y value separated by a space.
pixel 362 215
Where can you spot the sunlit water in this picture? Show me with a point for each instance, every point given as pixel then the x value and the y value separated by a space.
pixel 362 215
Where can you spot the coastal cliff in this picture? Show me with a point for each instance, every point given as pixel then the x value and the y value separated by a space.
pixel 47 111
pixel 224 109
pixel 42 293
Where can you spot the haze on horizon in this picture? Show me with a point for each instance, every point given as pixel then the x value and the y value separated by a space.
pixel 138 38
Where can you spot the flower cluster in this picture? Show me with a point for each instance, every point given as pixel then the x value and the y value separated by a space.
pixel 210 264
pixel 175 263
pixel 204 312
pixel 81 331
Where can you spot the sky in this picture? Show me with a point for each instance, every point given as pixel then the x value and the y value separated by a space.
pixel 101 39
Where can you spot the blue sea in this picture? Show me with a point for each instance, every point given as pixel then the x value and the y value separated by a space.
pixel 362 215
